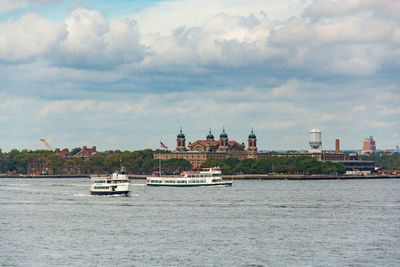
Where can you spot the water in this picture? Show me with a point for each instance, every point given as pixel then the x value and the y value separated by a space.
pixel 50 222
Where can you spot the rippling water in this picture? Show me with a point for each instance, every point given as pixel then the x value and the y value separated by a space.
pixel 48 222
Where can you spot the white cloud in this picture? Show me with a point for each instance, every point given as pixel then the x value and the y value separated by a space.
pixel 293 32
pixel 356 45
pixel 92 41
pixel 91 107
pixel 9 5
pixel 201 64
pixel 86 39
pixel 170 15
pixel 278 125
pixel 328 8
pixel 223 40
pixel 287 90
pixel 27 37
pixel 353 29
pixel 379 124
pixel 396 35
pixel 391 111
pixel 361 107
pixel 4 118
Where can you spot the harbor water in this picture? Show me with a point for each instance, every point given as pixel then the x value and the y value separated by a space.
pixel 56 222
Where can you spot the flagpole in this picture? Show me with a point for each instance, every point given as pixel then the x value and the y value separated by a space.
pixel 159 159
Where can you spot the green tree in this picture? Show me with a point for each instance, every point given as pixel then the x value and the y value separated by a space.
pixel 17 162
pixel 244 166
pixel 76 150
pixel 55 163
pixel 176 166
pixel 261 166
pixel 148 166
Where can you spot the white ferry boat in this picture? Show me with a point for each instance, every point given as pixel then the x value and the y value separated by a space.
pixel 205 177
pixel 117 183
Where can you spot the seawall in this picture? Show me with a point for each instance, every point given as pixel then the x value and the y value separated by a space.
pixel 234 177
pixel 291 177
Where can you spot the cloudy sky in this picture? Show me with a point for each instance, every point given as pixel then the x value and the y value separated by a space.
pixel 123 74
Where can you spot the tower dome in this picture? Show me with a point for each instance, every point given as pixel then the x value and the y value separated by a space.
pixel 223 134
pixel 210 136
pixel 180 134
pixel 252 135
pixel 180 141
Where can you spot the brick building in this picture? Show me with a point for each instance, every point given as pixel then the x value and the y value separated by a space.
pixel 209 148
pixel 369 146
pixel 64 153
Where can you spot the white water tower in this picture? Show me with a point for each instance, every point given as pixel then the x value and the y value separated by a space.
pixel 315 139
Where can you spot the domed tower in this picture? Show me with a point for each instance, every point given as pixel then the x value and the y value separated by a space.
pixel 252 147
pixel 223 141
pixel 180 142
pixel 210 136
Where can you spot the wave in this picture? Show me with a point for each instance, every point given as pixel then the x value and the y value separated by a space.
pixel 138 184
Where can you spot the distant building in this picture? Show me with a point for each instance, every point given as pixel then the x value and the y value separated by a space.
pixel 211 145
pixel 111 153
pixel 85 153
pixel 64 153
pixel 201 150
pixel 397 148
pixel 369 146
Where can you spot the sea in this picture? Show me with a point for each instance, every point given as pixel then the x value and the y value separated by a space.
pixel 56 222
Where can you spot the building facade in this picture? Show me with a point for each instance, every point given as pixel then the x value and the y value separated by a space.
pixel 209 148
pixel 201 150
pixel 369 146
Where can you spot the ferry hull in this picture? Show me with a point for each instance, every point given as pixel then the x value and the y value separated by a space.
pixel 207 177
pixel 189 185
pixel 105 193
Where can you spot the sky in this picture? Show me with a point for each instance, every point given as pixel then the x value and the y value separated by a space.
pixel 127 74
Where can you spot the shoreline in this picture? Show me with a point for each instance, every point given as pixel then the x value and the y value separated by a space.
pixel 234 177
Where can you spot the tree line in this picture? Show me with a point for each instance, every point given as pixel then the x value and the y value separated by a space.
pixel 279 165
pixel 142 162
pixel 384 160
pixel 137 162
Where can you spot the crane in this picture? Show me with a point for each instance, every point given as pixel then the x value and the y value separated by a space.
pixel 46 144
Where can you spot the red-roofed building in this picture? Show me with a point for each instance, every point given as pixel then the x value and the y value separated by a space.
pixel 87 152
pixel 201 150
pixel 211 145
pixel 63 153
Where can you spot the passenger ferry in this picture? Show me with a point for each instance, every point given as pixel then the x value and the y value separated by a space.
pixel 117 183
pixel 205 177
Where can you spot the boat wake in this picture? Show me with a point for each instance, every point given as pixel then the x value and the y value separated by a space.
pixel 138 184
pixel 82 195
